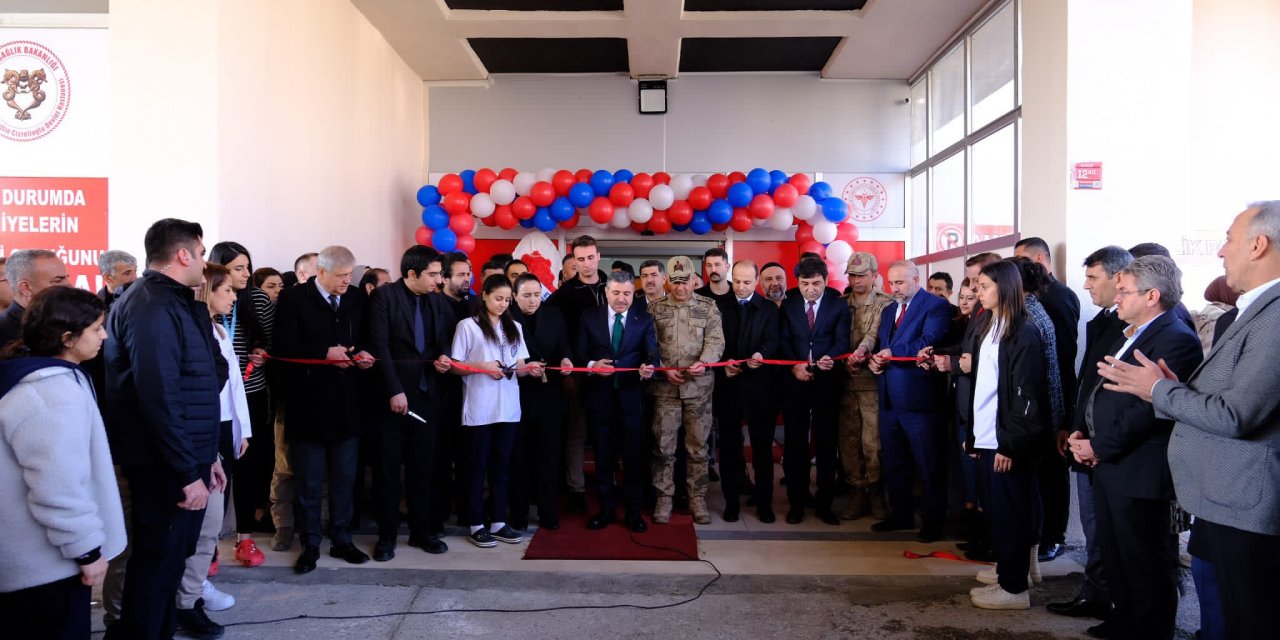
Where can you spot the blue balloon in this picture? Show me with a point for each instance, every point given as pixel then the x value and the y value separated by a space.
pixel 820 191
pixel 428 195
pixel 758 180
pixel 601 182
pixel 468 181
pixel 435 217
pixel 680 227
pixel 562 208
pixel 528 224
pixel 720 212
pixel 543 220
pixel 700 224
pixel 776 179
pixel 835 209
pixel 622 175
pixel 444 240
pixel 581 194
pixel 740 194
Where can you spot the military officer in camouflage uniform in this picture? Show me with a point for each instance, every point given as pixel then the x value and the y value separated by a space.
pixel 859 406
pixel 689 335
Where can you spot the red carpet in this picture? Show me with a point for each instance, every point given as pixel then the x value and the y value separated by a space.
pixel 575 542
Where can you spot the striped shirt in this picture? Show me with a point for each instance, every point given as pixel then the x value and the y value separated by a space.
pixel 235 324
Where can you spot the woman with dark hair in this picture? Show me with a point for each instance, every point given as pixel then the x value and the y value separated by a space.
pixel 249 326
pixel 1221 299
pixel 270 281
pixel 1009 430
pixel 59 506
pixel 492 343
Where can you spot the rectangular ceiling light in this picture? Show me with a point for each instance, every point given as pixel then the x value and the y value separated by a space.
pixel 653 96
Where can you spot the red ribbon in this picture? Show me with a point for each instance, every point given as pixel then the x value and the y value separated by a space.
pixel 940 555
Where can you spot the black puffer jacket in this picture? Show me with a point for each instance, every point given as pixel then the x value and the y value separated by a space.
pixel 1023 425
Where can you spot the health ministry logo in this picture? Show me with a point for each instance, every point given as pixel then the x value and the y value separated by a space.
pixel 36 91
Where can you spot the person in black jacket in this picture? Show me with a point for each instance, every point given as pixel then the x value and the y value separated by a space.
pixel 163 376
pixel 324 320
pixel 1010 430
pixel 537 451
pixel 410 327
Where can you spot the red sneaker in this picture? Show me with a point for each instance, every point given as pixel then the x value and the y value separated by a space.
pixel 248 554
pixel 213 567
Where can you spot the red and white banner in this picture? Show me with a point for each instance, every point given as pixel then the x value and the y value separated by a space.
pixel 64 215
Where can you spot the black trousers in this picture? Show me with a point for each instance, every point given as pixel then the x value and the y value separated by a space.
pixel 1014 512
pixel 489 450
pixel 811 407
pixel 733 463
pixel 1139 559
pixel 253 472
pixel 403 442
pixel 535 465
pixel 1247 566
pixel 1055 492
pixel 313 463
pixel 449 477
pixel 619 431
pixel 164 536
pixel 54 611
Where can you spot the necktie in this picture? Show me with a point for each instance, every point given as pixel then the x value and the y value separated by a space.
pixel 743 303
pixel 419 331
pixel 333 302
pixel 808 314
pixel 902 311
pixel 617 342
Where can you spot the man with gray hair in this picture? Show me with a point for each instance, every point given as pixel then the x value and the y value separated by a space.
pixel 119 269
pixel 324 319
pixel 30 271
pixel 1127 448
pixel 1222 452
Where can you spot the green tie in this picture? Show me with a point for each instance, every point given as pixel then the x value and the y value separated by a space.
pixel 617 343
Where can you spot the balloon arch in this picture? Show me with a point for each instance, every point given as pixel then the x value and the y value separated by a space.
pixel 659 203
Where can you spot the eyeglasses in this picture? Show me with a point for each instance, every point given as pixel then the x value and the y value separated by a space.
pixel 1120 293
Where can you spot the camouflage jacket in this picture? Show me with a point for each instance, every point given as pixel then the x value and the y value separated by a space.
pixel 688 332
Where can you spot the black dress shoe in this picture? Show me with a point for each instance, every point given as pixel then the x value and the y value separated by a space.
pixel 601 520
pixel 885 526
pixel 1050 551
pixel 193 623
pixel 765 514
pixel 1080 608
pixel 731 511
pixel 929 534
pixel 577 502
pixel 431 544
pixel 828 516
pixel 519 525
pixel 795 516
pixel 981 555
pixel 972 545
pixel 384 550
pixel 1106 630
pixel 349 553
pixel 635 522
pixel 549 525
pixel 307 561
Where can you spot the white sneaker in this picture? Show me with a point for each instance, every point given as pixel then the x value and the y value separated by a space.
pixel 977 590
pixel 215 600
pixel 998 598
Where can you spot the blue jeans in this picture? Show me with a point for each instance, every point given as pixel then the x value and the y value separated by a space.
pixel 1095 584
pixel 1212 624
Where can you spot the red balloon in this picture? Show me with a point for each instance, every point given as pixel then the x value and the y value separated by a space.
pixel 804 232
pixel 641 183
pixel 504 217
pixel 813 246
pixel 490 221
pixel 680 212
pixel 736 177
pixel 508 174
pixel 571 222
pixel 450 183
pixel 601 210
pixel 801 182
pixel 761 206
pixel 542 194
pixel 741 220
pixel 718 184
pixel 720 227
pixel 523 208
pixel 562 180
pixel 700 198
pixel 621 194
pixel 662 177
pixel 785 195
pixel 485 179
pixel 462 224
pixel 659 223
pixel 457 203
pixel 639 227
pixel 466 244
pixel 423 236
pixel 848 232
pixel 583 175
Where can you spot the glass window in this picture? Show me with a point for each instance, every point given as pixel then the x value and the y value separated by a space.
pixel 991 68
pixel 947 228
pixel 946 100
pixel 920 214
pixel 994 190
pixel 919 122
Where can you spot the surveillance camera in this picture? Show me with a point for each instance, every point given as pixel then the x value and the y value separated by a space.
pixel 906 101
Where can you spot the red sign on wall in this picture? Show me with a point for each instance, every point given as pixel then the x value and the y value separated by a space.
pixel 1087 175
pixel 65 215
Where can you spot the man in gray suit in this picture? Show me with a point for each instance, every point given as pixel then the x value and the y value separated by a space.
pixel 1225 445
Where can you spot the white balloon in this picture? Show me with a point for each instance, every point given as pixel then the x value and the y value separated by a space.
pixel 681 185
pixel 804 208
pixel 824 230
pixel 662 197
pixel 640 211
pixel 620 219
pixel 839 252
pixel 482 205
pixel 699 180
pixel 502 191
pixel 524 182
pixel 782 219
pixel 545 174
pixel 759 222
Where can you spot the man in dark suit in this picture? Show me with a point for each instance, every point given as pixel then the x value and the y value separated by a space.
pixel 1127 448
pixel 750 333
pixel 409 328
pixel 324 319
pixel 618 336
pixel 910 403
pixel 815 330
pixel 29 271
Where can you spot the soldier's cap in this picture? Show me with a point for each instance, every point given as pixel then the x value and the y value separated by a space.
pixel 679 269
pixel 861 263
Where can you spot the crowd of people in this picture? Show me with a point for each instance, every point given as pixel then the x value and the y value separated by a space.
pixel 130 417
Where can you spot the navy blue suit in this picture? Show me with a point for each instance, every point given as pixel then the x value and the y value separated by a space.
pixel 613 403
pixel 814 404
pixel 910 405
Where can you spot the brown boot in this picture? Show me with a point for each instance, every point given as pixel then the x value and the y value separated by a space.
pixel 857 505
pixel 662 512
pixel 698 507
pixel 876 500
